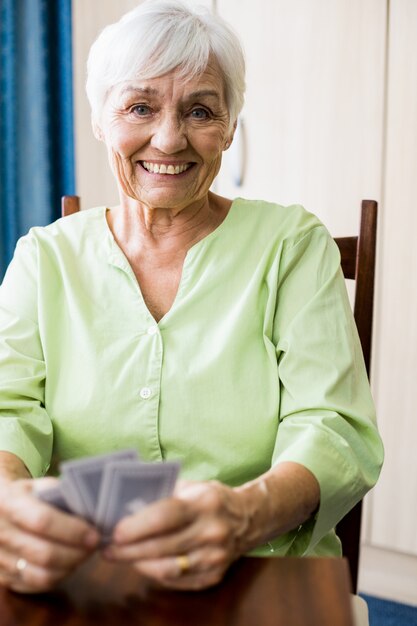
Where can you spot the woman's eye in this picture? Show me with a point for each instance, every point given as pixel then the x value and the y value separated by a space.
pixel 199 114
pixel 140 109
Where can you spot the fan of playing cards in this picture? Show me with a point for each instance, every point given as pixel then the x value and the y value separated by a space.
pixel 105 488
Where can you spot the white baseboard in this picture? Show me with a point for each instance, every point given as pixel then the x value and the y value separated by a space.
pixel 388 574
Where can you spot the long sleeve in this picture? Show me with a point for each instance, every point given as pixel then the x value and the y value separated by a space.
pixel 327 420
pixel 25 427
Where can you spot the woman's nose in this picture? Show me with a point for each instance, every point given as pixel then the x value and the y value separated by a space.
pixel 169 135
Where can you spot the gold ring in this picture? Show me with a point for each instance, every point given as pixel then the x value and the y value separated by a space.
pixel 183 563
pixel 21 565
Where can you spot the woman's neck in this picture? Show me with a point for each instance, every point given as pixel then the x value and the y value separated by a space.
pixel 137 227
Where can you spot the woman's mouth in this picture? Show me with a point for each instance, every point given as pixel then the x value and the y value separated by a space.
pixel 165 168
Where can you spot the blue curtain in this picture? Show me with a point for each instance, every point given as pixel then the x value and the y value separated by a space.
pixel 36 116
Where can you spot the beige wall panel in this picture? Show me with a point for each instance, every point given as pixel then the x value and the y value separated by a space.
pixel 395 357
pixel 314 106
pixel 94 180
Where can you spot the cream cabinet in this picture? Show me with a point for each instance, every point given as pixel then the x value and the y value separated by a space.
pixel 314 106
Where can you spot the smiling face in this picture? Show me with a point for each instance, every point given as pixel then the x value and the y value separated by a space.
pixel 165 137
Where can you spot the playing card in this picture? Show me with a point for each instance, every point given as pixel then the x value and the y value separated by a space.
pixel 82 478
pixel 73 497
pixel 128 486
pixel 54 496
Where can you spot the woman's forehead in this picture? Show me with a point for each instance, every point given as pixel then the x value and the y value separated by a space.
pixel 208 84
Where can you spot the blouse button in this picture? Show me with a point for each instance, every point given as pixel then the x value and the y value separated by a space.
pixel 145 393
pixel 152 330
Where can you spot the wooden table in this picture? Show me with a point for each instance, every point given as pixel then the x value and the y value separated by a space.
pixel 255 592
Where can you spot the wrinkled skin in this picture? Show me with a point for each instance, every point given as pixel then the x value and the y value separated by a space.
pixel 206 521
pixel 210 523
pixel 53 543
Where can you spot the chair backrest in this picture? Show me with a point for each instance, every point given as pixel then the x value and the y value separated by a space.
pixel 358 263
pixel 70 205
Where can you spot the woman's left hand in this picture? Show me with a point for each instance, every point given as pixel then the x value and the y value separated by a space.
pixel 187 541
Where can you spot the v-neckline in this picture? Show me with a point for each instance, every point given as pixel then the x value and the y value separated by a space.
pixel 119 258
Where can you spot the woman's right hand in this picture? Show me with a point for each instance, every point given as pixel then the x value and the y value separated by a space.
pixel 39 544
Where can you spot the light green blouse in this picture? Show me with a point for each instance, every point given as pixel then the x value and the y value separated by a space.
pixel 257 361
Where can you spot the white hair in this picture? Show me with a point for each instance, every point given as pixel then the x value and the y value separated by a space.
pixel 157 37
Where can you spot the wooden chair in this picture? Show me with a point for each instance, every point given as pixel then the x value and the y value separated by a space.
pixel 358 263
pixel 70 205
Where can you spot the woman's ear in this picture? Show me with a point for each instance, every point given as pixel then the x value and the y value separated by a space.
pixel 98 133
pixel 229 139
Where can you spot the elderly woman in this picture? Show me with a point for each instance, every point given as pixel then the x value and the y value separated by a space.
pixel 187 325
